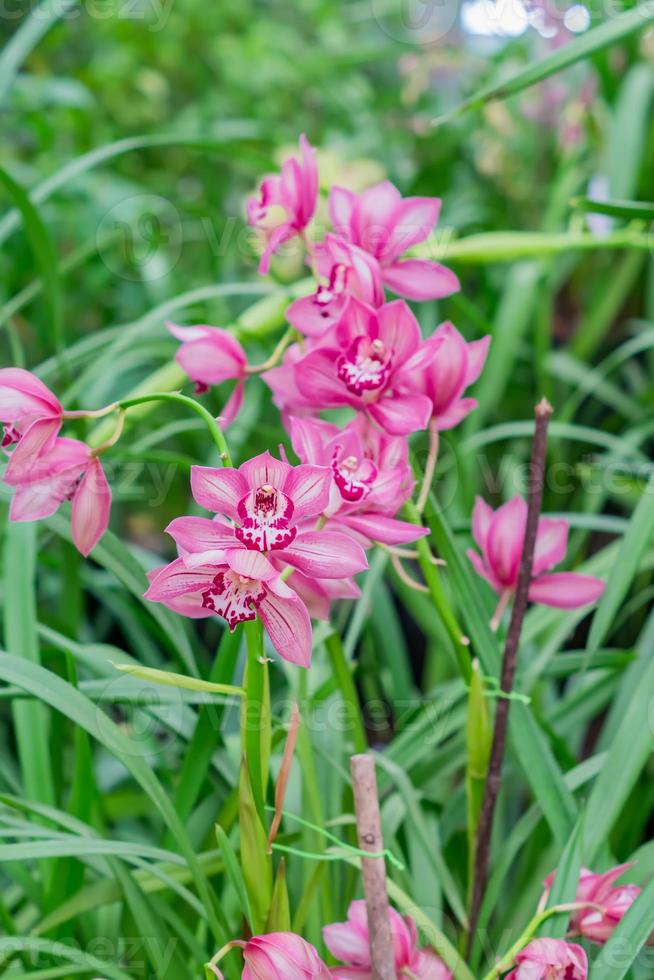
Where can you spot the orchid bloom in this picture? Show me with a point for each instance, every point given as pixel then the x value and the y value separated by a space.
pixel 31 415
pixel 67 471
pixel 610 902
pixel 349 941
pixel 550 959
pixel 348 271
pixel 371 477
pixel 238 586
pixel 209 356
pixel 455 366
pixel 265 505
pixel 370 361
pixel 384 224
pixel 286 202
pixel 500 537
pixel 279 956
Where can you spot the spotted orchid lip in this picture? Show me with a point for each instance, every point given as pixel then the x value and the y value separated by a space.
pixel 353 477
pixel 265 514
pixel 234 597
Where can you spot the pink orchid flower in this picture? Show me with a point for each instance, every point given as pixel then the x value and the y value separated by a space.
pixel 349 941
pixel 384 224
pixel 371 477
pixel 370 361
pixel 31 414
pixel 279 956
pixel 238 586
pixel 500 537
pixel 209 356
pixel 550 959
pixel 265 507
pixel 286 202
pixel 456 365
pixel 348 271
pixel 597 924
pixel 68 471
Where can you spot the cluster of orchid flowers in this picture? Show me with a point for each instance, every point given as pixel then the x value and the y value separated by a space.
pixel 286 540
pixel 599 903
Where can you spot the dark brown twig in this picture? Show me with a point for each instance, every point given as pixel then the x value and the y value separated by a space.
pixel 366 801
pixel 543 412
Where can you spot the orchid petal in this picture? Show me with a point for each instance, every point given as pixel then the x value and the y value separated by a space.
pixel 420 279
pixel 218 490
pixel 566 590
pixel 91 508
pixel 325 554
pixel 288 625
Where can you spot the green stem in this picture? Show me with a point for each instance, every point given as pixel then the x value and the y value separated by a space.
pixel 439 596
pixel 343 675
pixel 256 724
pixel 173 396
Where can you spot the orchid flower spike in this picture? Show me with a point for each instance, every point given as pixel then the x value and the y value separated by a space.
pixel 286 202
pixel 500 537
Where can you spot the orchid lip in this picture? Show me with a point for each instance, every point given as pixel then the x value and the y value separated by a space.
pixel 366 366
pixel 265 515
pixel 234 597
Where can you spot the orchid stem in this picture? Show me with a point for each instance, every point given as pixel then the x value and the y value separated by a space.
pixel 439 597
pixel 430 467
pixel 178 398
pixel 543 412
pixel 97 413
pixel 276 355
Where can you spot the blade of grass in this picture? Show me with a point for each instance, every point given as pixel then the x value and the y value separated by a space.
pixel 610 32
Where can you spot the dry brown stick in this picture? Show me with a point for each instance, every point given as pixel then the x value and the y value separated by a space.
pixel 366 802
pixel 543 412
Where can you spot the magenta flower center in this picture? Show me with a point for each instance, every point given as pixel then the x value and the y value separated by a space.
pixel 366 366
pixel 265 514
pixel 10 435
pixel 350 478
pixel 234 597
pixel 325 295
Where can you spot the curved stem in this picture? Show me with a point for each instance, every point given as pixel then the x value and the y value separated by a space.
pixel 276 356
pixel 97 413
pixel 430 467
pixel 174 396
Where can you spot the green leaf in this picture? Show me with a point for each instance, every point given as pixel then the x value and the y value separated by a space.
pixel 45 255
pixel 627 755
pixel 63 697
pixel 279 919
pixel 169 679
pixel 255 860
pixel 30 718
pixel 59 951
pixel 631 210
pixel 479 736
pixel 28 35
pixel 635 543
pixel 564 887
pixel 235 875
pixel 610 32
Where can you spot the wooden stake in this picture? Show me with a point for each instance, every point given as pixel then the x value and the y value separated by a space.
pixel 366 801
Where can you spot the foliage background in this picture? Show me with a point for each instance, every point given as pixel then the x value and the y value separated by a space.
pixel 139 130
